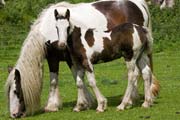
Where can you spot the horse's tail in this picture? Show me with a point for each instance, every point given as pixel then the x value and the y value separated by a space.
pixel 155 86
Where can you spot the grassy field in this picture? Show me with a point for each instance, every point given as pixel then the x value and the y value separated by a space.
pixel 166 68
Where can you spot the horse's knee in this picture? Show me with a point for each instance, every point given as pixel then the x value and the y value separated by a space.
pixel 91 79
pixel 136 72
pixel 132 75
pixel 146 72
pixel 92 83
pixel 54 79
pixel 79 83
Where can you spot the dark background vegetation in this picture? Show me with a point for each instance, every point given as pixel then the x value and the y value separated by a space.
pixel 17 16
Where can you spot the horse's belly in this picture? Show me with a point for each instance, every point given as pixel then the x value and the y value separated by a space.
pixel 105 57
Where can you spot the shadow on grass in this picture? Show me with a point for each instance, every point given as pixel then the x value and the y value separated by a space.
pixel 113 101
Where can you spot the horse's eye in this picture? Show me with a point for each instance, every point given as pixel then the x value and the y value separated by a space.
pixel 15 92
pixel 68 29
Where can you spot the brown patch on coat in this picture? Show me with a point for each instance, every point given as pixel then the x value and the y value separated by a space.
pixel 121 44
pixel 117 13
pixel 77 49
pixel 54 55
pixel 142 32
pixel 89 37
pixel 122 36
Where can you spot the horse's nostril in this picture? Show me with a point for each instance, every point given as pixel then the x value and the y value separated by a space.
pixel 15 115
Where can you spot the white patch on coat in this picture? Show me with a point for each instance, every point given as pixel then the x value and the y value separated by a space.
pixel 82 15
pixel 98 45
pixel 62 26
pixel 136 40
pixel 14 100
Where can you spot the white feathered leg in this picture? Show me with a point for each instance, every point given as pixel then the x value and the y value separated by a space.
pixel 54 101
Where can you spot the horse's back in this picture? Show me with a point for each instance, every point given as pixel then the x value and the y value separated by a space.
pixel 120 11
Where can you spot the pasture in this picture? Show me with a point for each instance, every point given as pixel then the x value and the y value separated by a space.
pixel 15 20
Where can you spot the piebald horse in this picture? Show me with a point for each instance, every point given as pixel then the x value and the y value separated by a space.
pixel 24 83
pixel 88 45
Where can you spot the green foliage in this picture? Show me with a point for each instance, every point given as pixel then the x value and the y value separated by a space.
pixel 165 26
pixel 20 14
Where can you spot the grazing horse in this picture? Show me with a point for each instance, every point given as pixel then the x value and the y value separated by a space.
pixel 88 46
pixel 130 41
pixel 27 73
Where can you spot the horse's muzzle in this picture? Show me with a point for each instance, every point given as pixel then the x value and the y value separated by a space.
pixel 62 46
pixel 18 115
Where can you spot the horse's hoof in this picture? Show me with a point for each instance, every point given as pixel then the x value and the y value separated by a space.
pixel 120 107
pixel 99 110
pixel 146 105
pixel 76 109
pixel 51 109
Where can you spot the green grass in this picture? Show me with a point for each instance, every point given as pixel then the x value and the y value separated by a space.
pixel 15 20
pixel 166 65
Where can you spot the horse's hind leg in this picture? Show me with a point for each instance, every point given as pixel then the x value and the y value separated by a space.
pixel 54 101
pixel 143 64
pixel 133 74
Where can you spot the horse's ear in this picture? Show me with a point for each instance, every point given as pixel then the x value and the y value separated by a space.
pixel 56 14
pixel 17 76
pixel 67 14
pixel 10 68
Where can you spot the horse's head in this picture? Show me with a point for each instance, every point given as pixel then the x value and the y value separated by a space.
pixel 63 27
pixel 15 94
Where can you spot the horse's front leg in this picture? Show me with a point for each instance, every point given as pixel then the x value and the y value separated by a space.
pixel 101 100
pixel 85 99
pixel 54 101
pixel 133 73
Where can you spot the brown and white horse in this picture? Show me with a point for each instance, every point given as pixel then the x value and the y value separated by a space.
pixel 127 12
pixel 130 41
pixel 27 72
